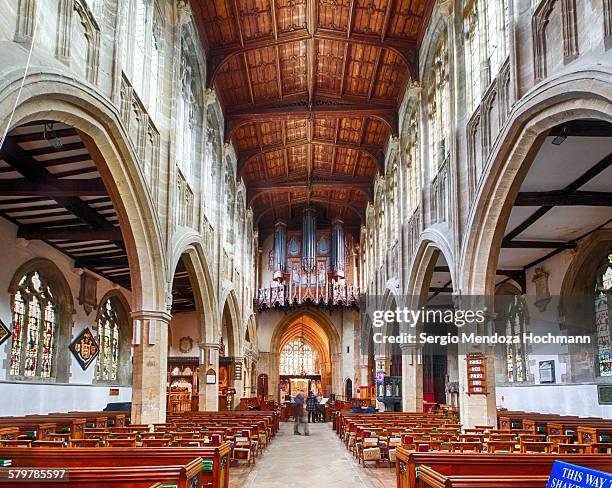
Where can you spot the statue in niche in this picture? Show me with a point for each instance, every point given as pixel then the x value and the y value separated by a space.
pixel 540 278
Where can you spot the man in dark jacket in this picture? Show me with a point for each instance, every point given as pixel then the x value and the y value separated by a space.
pixel 300 414
pixel 311 406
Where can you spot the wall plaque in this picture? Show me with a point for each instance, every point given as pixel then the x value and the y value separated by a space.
pixel 85 348
pixel 238 371
pixel 211 377
pixel 4 332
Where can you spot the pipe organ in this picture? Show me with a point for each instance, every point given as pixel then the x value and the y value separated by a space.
pixel 309 238
pixel 337 249
pixel 280 250
pixel 310 266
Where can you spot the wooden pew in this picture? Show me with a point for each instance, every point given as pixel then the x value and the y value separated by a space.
pixel 125 457
pixel 470 464
pixel 181 476
pixel 429 478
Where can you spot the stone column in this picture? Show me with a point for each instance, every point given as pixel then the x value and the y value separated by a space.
pixel 150 364
pixel 209 393
pixel 412 379
pixel 477 409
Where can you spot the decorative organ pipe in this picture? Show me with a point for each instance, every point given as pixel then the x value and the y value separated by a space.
pixel 309 234
pixel 337 249
pixel 280 250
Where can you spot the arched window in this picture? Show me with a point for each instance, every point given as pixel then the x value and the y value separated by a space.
pixel 472 59
pixel 189 109
pixel 35 327
pixel 108 338
pixel 515 317
pixel 298 358
pixel 412 166
pixel 496 35
pixel 141 51
pixel 114 338
pixel 603 302
pixel 439 108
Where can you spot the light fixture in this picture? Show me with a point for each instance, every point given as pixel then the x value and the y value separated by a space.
pixel 51 136
pixel 560 138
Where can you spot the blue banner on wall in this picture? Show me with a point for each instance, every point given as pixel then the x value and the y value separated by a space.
pixel 565 475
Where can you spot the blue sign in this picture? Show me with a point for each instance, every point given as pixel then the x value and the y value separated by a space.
pixel 380 377
pixel 565 475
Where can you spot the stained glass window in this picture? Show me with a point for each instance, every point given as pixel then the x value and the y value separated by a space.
pixel 603 298
pixel 34 327
pixel 297 358
pixel 109 339
pixel 515 318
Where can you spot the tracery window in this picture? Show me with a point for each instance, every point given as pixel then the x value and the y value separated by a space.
pixel 34 328
pixel 515 320
pixel 439 108
pixel 297 358
pixel 109 331
pixel 141 51
pixel 189 114
pixel 472 59
pixel 496 35
pixel 413 164
pixel 603 301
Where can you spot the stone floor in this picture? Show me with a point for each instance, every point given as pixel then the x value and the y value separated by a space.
pixel 319 459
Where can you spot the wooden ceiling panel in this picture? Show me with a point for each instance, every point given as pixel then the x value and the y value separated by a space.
pixel 318 84
pixel 263 74
pixel 360 70
pixel 270 133
pixel 370 16
pixel 232 81
pixel 219 22
pixel 275 164
pixel 323 156
pixel 366 166
pixel 254 171
pixel 390 78
pixel 245 138
pixel 407 18
pixel 351 130
pixel 325 129
pixel 291 15
pixel 334 14
pixel 376 133
pixel 297 156
pixel 293 68
pixel 346 159
pixel 296 130
pixel 330 62
pixel 256 19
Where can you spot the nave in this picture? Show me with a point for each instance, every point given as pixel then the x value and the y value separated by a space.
pixel 318 459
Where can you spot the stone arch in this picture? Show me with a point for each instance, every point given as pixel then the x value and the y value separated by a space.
pixel 188 245
pixel 327 327
pixel 565 98
pixel 231 307
pixel 432 243
pixel 251 332
pixel 124 373
pixel 65 310
pixel 79 106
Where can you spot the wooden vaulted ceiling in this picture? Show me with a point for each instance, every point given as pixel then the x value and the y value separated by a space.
pixel 310 91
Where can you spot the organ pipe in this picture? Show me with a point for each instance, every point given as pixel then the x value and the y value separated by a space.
pixel 337 249
pixel 280 250
pixel 309 231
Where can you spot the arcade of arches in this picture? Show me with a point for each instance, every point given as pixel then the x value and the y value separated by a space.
pixel 208 201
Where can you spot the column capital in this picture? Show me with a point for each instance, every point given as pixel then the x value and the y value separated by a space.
pixel 209 345
pixel 151 315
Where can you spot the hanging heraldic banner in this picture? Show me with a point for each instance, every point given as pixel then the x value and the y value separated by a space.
pixel 565 475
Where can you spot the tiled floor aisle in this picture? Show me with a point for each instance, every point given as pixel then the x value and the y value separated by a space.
pixel 319 459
